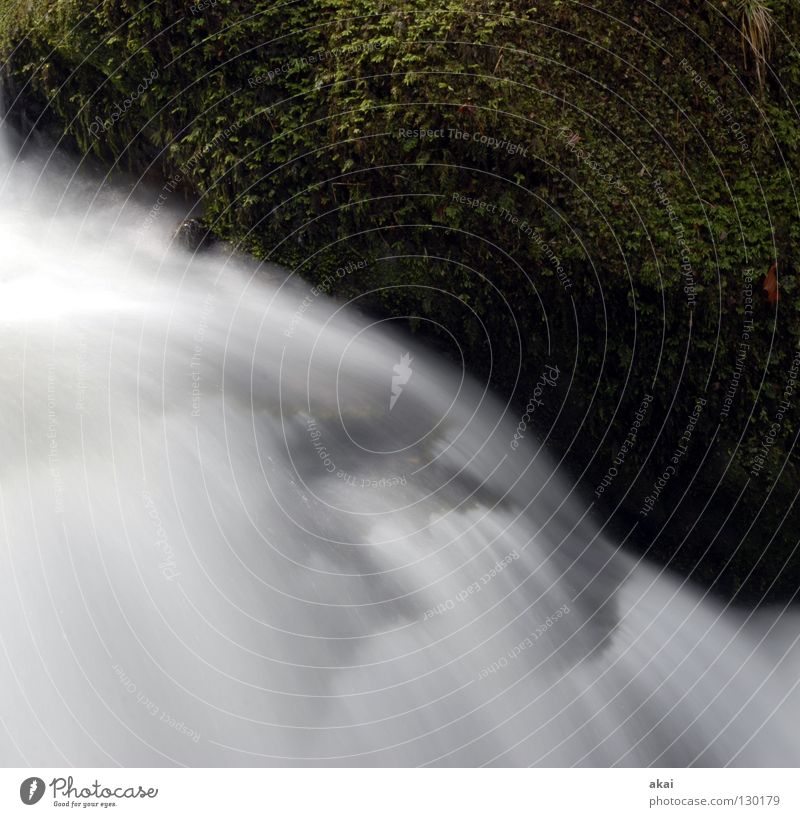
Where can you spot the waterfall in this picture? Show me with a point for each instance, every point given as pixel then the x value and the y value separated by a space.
pixel 243 524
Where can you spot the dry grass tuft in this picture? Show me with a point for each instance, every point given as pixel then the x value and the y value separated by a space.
pixel 756 27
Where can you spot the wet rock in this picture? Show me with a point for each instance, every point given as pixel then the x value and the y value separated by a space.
pixel 193 235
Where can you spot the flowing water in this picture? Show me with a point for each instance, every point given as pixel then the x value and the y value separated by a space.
pixel 242 524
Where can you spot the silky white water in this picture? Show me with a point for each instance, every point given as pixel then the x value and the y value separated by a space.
pixel 243 525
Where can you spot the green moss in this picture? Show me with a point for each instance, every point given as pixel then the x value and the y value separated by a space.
pixel 287 120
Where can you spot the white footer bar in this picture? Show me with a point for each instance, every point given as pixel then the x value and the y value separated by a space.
pixel 402 792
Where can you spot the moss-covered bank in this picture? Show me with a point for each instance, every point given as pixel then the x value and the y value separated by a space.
pixel 603 188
